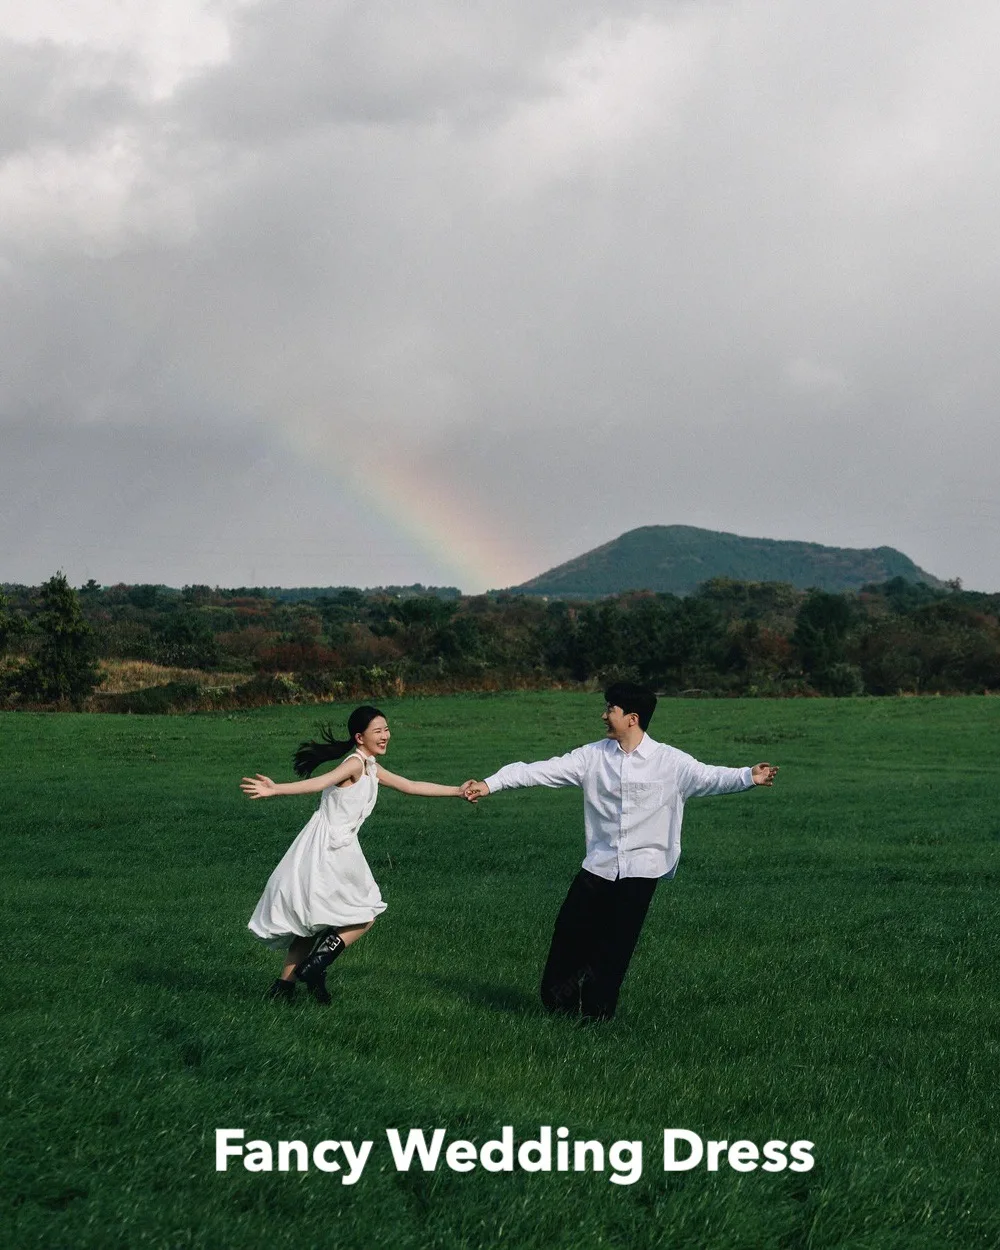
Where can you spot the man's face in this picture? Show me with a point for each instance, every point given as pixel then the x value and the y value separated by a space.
pixel 617 721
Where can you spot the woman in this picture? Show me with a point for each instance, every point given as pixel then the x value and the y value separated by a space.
pixel 323 885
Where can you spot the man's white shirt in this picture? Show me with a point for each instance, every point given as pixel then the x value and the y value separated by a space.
pixel 633 801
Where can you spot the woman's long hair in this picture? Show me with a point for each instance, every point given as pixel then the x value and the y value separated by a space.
pixel 310 755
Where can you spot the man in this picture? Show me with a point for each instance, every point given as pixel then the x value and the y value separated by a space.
pixel 634 790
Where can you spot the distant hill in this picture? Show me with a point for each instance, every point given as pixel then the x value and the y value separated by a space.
pixel 678 558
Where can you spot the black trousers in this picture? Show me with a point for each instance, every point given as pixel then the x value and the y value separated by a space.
pixel 595 934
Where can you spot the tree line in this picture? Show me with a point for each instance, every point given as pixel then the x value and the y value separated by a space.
pixel 727 638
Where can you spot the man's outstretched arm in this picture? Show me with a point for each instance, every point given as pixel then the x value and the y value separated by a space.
pixel 700 780
pixel 561 770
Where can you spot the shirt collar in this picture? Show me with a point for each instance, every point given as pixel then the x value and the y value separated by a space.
pixel 646 746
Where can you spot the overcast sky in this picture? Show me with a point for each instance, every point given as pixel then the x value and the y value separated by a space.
pixel 311 292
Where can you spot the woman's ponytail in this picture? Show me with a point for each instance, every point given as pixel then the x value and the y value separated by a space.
pixel 310 755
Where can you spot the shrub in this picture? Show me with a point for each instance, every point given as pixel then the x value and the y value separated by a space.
pixel 841 679
pixel 175 696
pixel 187 641
pixel 320 684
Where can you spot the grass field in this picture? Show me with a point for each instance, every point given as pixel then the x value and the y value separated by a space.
pixel 823 968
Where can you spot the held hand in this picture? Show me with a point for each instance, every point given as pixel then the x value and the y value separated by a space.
pixel 475 790
pixel 259 787
pixel 763 774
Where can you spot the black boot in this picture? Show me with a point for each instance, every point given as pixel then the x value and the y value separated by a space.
pixel 281 991
pixel 312 969
pixel 317 989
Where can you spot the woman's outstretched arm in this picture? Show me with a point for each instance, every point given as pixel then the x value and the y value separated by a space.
pixel 427 789
pixel 261 787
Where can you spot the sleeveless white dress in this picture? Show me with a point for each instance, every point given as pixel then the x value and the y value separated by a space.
pixel 323 880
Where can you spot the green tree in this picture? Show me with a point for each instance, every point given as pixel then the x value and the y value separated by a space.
pixel 820 637
pixel 12 626
pixel 62 669
pixel 187 640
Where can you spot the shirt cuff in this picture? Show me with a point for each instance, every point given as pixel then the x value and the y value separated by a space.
pixel 494 783
pixel 748 777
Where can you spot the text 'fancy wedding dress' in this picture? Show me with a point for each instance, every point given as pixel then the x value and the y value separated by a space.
pixel 323 880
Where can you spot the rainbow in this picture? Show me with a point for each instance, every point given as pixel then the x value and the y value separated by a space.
pixel 443 519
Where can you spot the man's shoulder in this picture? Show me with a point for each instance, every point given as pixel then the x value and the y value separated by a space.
pixel 596 748
pixel 665 746
pixel 663 751
pixel 591 753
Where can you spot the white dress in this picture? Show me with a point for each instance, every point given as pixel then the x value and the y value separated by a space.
pixel 323 880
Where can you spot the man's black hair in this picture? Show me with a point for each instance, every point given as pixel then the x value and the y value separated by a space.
pixel 632 698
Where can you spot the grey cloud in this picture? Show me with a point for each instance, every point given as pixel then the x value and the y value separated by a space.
pixel 302 64
pixel 186 505
pixel 56 95
pixel 740 257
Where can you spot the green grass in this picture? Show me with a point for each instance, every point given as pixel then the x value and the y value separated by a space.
pixel 823 967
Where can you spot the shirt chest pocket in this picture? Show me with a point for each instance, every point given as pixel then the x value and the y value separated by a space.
pixel 643 796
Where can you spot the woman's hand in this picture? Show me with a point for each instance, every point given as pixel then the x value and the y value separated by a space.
pixel 259 787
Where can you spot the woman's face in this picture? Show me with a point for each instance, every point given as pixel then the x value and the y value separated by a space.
pixel 375 739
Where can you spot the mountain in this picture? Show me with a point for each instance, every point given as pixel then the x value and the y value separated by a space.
pixel 678 558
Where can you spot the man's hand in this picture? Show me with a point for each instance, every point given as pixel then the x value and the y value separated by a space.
pixel 763 774
pixel 475 790
pixel 259 787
